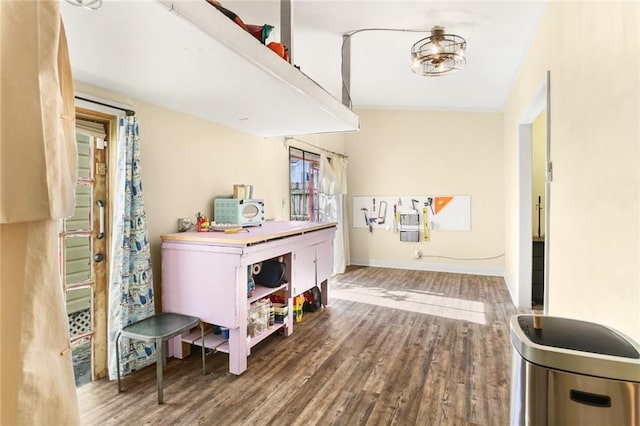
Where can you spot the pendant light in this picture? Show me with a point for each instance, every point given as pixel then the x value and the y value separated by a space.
pixel 438 54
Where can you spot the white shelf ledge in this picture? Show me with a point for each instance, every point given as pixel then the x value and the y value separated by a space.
pixel 189 57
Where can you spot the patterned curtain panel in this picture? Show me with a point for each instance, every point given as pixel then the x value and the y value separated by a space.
pixel 131 280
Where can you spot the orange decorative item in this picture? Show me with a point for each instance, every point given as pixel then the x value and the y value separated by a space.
pixel 278 48
pixel 441 202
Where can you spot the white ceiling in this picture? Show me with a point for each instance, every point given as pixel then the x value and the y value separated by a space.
pixel 498 35
pixel 137 48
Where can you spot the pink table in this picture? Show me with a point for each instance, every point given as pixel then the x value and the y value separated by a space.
pixel 205 275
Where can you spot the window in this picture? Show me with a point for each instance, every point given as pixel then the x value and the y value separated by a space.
pixel 304 179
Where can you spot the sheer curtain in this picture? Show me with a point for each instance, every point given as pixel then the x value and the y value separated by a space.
pixel 333 196
pixel 131 280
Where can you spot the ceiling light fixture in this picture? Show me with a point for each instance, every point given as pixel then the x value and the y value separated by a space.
pixel 87 4
pixel 438 54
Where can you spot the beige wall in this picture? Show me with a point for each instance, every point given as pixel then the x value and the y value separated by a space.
pixel 593 231
pixel 403 153
pixel 187 161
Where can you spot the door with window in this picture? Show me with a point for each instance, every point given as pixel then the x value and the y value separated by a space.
pixel 83 252
pixel 304 178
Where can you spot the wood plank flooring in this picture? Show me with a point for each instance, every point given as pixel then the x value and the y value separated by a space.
pixel 352 363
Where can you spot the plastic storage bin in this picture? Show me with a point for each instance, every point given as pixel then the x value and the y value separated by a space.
pixel 281 311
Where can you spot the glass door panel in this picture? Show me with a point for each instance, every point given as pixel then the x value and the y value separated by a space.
pixel 82 360
pixel 79 307
pixel 81 219
pixel 84 156
pixel 77 259
pixel 82 250
pixel 304 172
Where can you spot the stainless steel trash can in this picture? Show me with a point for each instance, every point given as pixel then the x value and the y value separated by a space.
pixel 570 372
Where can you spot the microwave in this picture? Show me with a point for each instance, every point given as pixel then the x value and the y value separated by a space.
pixel 243 212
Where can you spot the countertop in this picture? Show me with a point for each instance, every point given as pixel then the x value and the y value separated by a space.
pixel 250 235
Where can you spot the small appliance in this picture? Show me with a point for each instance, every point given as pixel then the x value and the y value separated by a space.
pixel 249 212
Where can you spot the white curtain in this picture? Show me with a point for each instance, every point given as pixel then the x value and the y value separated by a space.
pixel 333 196
pixel 131 280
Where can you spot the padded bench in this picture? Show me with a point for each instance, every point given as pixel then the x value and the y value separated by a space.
pixel 158 329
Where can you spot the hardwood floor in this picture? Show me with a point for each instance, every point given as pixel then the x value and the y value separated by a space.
pixel 426 348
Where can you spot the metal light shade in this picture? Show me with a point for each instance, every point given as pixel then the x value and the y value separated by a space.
pixel 87 4
pixel 438 54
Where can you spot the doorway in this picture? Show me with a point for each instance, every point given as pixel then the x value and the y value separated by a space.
pixel 304 185
pixel 534 175
pixel 538 202
pixel 83 246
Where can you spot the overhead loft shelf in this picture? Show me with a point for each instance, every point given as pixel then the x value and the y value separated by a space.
pixel 189 57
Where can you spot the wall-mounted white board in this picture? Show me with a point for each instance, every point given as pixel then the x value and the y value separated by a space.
pixel 444 213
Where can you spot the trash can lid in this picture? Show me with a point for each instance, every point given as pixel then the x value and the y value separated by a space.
pixel 576 346
pixel 578 336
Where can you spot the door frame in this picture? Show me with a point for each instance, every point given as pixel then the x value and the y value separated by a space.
pixel 109 117
pixel 541 102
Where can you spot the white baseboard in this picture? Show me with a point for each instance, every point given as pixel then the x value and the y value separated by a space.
pixel 511 295
pixel 423 265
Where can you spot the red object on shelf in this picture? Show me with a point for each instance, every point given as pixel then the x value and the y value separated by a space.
pixel 229 14
pixel 277 298
pixel 260 32
pixel 278 48
pixel 308 297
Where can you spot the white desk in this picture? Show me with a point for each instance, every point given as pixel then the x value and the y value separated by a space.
pixel 205 275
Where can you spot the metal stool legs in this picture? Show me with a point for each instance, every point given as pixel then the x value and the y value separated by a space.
pixel 204 371
pixel 160 360
pixel 118 360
